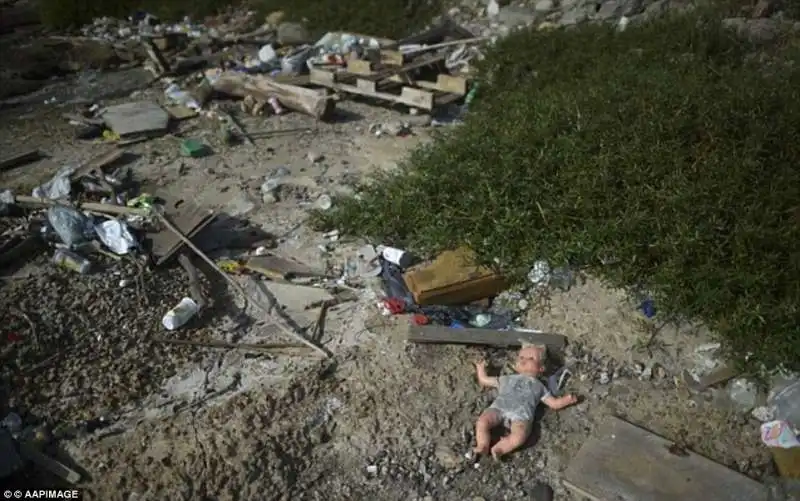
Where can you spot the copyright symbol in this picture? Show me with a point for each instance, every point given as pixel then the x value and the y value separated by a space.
pixel 7 494
pixel 17 494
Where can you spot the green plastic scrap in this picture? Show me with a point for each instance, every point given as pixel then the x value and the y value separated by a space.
pixel 194 148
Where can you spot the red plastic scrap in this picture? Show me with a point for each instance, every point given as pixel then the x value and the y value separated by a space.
pixel 419 319
pixel 394 305
pixel 13 338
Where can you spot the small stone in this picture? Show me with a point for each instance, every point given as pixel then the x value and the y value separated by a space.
pixel 314 157
pixel 372 469
pixel 269 198
pixel 276 18
pixel 605 377
pixel 544 6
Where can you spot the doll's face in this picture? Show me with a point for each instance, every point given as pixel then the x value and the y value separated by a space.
pixel 530 361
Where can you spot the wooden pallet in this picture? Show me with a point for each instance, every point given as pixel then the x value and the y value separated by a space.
pixel 391 80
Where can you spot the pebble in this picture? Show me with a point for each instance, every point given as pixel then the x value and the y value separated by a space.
pixel 314 157
pixel 605 378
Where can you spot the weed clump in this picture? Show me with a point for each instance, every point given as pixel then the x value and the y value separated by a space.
pixel 662 157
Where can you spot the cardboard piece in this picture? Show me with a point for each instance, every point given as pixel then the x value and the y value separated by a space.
pixel 453 279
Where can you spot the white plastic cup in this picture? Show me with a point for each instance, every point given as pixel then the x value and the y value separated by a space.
pixel 180 314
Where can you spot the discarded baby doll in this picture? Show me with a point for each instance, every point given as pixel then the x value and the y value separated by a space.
pixel 515 405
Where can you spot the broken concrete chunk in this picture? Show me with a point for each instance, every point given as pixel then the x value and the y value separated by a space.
pixel 136 118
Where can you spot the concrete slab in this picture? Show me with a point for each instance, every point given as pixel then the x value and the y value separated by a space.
pixel 297 297
pixel 136 118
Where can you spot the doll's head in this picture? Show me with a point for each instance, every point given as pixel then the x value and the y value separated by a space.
pixel 531 360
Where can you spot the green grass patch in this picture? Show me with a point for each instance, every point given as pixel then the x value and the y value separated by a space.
pixel 386 18
pixel 666 149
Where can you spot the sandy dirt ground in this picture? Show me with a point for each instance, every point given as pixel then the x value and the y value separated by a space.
pixel 381 420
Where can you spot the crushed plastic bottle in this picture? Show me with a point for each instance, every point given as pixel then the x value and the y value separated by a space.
pixel 784 397
pixel 180 314
pixel 743 393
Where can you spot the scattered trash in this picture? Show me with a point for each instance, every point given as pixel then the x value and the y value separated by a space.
pixel 396 256
pixel 72 261
pixel 779 434
pixel 60 186
pixel 743 393
pixel 648 308
pixel 194 148
pixel 763 414
pixel 71 226
pixel 324 202
pixel 180 314
pixel 539 276
pixel 180 97
pixel 784 397
pixel 115 235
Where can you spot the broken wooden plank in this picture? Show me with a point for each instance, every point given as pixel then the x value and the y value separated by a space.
pixel 27 248
pixel 625 462
pixel 438 334
pixel 195 292
pixel 309 101
pixel 98 163
pixel 18 159
pixel 189 218
pixel 787 461
pixel 408 96
pixel 29 452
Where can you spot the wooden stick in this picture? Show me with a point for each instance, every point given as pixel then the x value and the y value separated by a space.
pixel 442 45
pixel 194 283
pixel 117 210
pixel 232 346
pixel 234 283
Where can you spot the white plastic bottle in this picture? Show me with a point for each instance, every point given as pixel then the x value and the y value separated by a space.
pixel 179 315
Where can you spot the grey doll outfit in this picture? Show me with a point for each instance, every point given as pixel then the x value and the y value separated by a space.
pixel 518 396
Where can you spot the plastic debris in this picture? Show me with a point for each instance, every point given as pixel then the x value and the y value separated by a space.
pixel 71 226
pixel 57 188
pixel 779 434
pixel 115 235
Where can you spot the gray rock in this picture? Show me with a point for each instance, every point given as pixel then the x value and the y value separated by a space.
pixel 576 15
pixel 293 34
pixel 618 8
pixel 544 6
pixel 515 16
pixel 656 9
pixel 755 30
pixel 610 9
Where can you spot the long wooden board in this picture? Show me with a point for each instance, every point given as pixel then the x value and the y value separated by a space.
pixel 436 334
pixel 623 462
